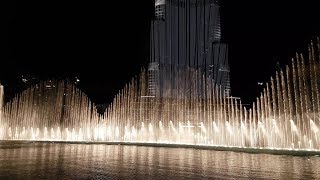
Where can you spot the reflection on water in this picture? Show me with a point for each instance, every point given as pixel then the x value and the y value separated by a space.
pixel 83 161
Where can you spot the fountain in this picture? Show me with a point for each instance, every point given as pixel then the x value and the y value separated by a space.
pixel 50 110
pixel 194 112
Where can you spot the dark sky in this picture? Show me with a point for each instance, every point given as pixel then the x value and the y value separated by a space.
pixel 262 33
pixel 106 44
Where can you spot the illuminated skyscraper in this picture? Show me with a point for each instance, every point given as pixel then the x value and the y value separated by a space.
pixel 187 33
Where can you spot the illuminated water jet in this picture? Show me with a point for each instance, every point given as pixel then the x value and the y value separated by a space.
pixel 196 112
pixel 49 110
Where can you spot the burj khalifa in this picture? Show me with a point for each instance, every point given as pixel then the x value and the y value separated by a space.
pixel 187 34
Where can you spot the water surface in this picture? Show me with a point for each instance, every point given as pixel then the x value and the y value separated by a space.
pixel 99 161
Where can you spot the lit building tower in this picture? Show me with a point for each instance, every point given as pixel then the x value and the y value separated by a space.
pixel 186 33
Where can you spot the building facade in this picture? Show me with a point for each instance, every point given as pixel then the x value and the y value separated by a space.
pixel 186 34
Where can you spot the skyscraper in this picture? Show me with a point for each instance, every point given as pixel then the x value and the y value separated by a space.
pixel 187 34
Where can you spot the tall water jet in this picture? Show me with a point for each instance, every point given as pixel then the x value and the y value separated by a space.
pixel 198 112
pixel 50 110
pixel 295 102
pixel 192 109
pixel 1 108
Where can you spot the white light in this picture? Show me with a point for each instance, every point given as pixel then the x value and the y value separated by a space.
pixel 159 2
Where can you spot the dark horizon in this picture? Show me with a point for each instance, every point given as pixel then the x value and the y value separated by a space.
pixel 48 40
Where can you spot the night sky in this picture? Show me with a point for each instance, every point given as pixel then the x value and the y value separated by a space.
pixel 106 44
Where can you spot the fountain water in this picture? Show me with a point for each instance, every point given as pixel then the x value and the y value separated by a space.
pixel 193 110
pixel 50 110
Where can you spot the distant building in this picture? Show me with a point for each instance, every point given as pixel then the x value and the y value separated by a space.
pixel 186 34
